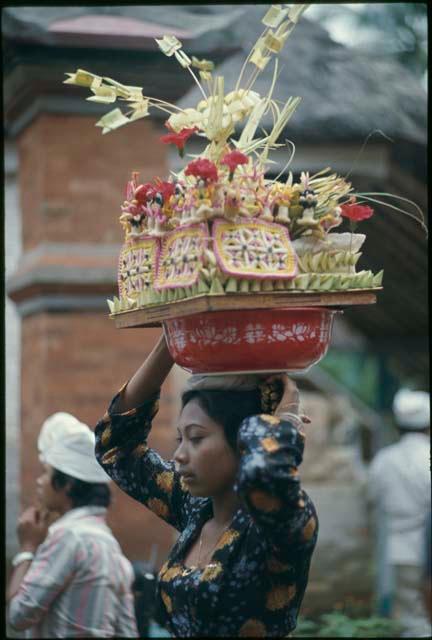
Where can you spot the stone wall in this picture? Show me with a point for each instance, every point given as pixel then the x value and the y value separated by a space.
pixel 333 475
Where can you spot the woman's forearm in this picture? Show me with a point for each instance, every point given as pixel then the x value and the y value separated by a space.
pixel 148 379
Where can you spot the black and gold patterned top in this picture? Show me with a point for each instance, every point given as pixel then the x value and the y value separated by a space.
pixel 256 578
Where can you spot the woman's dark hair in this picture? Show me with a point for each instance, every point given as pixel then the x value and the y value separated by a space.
pixel 82 494
pixel 227 408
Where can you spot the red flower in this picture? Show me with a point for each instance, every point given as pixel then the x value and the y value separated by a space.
pixel 233 158
pixel 202 168
pixel 179 139
pixel 356 212
pixel 144 192
pixel 165 188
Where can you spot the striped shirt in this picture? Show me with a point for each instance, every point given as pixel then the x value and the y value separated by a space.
pixel 79 583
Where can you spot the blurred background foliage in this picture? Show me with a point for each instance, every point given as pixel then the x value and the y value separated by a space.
pixel 358 371
pixel 403 25
pixel 340 625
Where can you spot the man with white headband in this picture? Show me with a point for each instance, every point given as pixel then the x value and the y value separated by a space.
pixel 71 578
pixel 400 487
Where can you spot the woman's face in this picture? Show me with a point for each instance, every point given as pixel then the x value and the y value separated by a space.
pixel 204 458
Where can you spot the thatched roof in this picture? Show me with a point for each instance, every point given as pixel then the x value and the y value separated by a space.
pixel 345 94
pixel 44 24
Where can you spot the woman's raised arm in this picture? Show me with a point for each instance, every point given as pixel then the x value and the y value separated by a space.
pixel 121 442
pixel 148 378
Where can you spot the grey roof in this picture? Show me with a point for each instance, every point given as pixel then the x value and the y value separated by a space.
pixel 32 23
pixel 345 94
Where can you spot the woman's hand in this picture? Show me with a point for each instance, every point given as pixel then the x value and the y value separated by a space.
pixel 289 404
pixel 32 528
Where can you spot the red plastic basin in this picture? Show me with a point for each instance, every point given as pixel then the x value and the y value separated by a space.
pixel 250 340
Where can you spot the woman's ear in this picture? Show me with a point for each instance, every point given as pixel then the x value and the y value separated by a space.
pixel 50 517
pixel 68 488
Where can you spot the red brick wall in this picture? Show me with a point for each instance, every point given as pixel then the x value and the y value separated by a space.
pixel 72 178
pixel 72 183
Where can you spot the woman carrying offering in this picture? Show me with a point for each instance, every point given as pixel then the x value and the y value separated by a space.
pixel 247 529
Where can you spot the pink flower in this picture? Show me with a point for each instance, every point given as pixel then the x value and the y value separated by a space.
pixel 202 168
pixel 179 139
pixel 131 186
pixel 130 208
pixel 356 212
pixel 232 159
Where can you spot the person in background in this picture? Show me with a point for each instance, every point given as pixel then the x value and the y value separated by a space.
pixel 399 486
pixel 70 578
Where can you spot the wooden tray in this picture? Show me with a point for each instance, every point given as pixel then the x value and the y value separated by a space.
pixel 154 316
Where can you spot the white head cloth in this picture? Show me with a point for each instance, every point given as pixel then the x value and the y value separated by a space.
pixel 412 409
pixel 227 382
pixel 68 445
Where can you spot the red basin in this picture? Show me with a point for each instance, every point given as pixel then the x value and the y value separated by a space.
pixel 250 340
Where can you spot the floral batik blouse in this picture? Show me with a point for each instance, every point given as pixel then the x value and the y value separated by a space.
pixel 255 580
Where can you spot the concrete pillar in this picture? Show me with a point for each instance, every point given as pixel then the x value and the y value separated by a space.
pixel 13 350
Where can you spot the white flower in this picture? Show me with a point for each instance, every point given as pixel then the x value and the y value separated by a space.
pixel 299 332
pixel 179 338
pixel 279 332
pixel 230 335
pixel 254 333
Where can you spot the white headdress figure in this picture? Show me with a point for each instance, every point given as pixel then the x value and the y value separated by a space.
pixel 68 445
pixel 412 409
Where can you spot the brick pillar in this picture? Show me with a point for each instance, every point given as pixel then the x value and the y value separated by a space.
pixel 73 178
pixel 72 182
